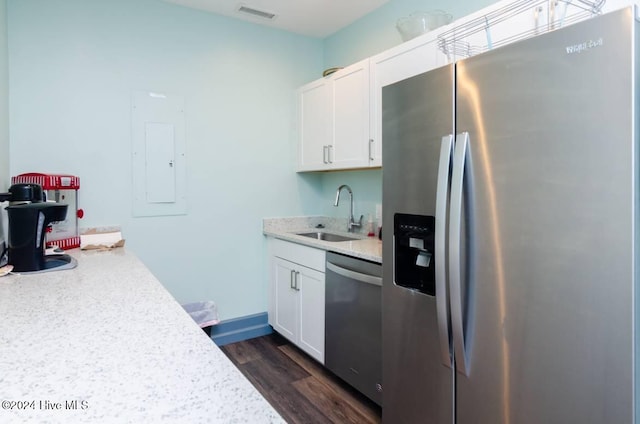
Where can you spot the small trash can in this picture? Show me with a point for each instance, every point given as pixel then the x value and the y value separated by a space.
pixel 205 314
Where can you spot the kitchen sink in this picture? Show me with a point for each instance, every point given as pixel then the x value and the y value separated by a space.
pixel 321 235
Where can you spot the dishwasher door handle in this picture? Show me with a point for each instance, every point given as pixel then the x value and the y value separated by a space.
pixel 358 276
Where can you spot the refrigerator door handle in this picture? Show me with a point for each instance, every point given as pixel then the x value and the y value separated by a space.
pixel 455 228
pixel 442 199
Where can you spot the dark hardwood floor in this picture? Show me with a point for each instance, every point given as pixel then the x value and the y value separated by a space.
pixel 298 387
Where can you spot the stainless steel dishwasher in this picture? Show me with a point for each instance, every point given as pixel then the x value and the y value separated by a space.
pixel 353 323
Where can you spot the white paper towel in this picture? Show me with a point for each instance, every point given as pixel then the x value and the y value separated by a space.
pixel 101 240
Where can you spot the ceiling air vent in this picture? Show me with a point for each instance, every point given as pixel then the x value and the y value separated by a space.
pixel 256 12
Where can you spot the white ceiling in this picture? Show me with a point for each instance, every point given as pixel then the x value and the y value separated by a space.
pixel 315 18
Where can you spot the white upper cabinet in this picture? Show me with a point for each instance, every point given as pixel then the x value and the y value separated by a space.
pixel 315 126
pixel 408 59
pixel 340 116
pixel 334 121
pixel 350 147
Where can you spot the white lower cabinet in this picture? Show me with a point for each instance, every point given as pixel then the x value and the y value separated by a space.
pixel 296 301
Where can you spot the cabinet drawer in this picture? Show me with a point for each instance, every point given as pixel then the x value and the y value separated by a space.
pixel 299 254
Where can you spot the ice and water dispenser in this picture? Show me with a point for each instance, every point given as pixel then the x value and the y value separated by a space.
pixel 414 266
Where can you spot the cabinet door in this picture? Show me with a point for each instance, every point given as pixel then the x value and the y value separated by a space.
pixel 350 147
pixel 409 59
pixel 285 298
pixel 315 125
pixel 311 322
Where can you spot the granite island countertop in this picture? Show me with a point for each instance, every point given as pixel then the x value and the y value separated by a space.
pixel 106 343
pixel 369 248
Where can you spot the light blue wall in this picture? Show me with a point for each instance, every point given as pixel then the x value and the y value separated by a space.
pixel 74 65
pixel 4 111
pixel 367 192
pixel 4 98
pixel 373 34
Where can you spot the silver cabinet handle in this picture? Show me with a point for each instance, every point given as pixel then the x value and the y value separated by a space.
pixel 358 276
pixel 371 149
pixel 325 149
pixel 455 228
pixel 296 280
pixel 442 197
pixel 292 280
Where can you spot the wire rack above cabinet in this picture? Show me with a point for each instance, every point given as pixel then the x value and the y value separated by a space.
pixel 496 28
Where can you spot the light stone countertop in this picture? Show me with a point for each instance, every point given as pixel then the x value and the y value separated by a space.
pixel 369 248
pixel 106 343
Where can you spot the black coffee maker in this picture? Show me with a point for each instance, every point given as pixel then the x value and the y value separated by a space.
pixel 29 216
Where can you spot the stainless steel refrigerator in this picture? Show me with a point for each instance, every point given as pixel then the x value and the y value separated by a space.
pixel 510 192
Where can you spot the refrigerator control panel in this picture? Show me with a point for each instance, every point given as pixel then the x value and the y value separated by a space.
pixel 414 266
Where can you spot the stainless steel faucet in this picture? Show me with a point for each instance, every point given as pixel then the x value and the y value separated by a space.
pixel 352 223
